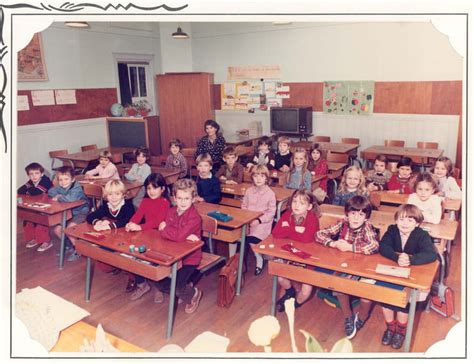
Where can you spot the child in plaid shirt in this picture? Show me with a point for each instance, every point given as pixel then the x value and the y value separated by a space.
pixel 352 234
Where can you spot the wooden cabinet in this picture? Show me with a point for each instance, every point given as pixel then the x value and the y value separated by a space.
pixel 185 102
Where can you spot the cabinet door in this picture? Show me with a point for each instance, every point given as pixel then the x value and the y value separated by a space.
pixel 185 103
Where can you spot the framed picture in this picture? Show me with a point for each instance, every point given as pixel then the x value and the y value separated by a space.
pixel 31 65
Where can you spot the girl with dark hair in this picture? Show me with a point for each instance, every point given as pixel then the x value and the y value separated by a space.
pixel 213 143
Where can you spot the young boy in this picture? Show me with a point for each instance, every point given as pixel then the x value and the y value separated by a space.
pixel 378 177
pixel 37 184
pixel 407 244
pixel 232 172
pixel 105 169
pixel 176 159
pixel 264 155
pixel 402 182
pixel 353 234
pixel 183 223
pixel 68 190
pixel 283 156
pixel 139 172
pixel 208 186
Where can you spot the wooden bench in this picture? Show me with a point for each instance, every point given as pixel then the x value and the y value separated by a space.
pixel 209 261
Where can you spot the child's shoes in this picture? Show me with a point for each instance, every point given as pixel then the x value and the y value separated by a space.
pixel 74 256
pixel 192 307
pixel 142 288
pixel 31 244
pixel 45 246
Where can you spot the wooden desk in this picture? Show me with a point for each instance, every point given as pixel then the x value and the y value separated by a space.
pixel 282 194
pixel 55 214
pixel 234 140
pixel 421 276
pixel 169 174
pixel 232 229
pixel 72 338
pixel 82 159
pixel 414 153
pixel 117 254
pixel 131 188
pixel 336 166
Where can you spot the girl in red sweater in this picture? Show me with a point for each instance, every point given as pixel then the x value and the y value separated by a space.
pixel 318 166
pixel 300 224
pixel 150 214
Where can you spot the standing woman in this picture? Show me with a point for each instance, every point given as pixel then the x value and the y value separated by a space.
pixel 212 143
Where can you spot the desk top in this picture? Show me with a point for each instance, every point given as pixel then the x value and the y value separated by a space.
pixel 239 189
pixel 129 185
pixel 401 198
pixel 421 276
pixel 71 339
pixel 31 203
pixel 235 139
pixel 240 216
pixel 92 155
pixel 401 151
pixel 119 240
pixel 446 229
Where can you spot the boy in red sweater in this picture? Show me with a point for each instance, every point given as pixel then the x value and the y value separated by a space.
pixel 402 182
pixel 183 223
pixel 300 224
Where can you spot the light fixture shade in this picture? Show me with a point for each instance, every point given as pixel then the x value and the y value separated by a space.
pixel 77 24
pixel 179 34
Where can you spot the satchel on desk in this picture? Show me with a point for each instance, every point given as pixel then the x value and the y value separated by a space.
pixel 228 282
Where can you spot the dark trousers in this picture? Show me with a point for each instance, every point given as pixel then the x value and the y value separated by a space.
pixel 183 291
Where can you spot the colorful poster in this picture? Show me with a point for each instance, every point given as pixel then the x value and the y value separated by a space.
pixel 228 94
pixel 348 97
pixel 255 88
pixel 283 92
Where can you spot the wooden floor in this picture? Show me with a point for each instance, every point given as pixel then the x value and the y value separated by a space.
pixel 143 322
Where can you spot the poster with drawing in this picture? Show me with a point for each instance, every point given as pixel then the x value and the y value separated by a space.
pixel 348 97
pixel 31 65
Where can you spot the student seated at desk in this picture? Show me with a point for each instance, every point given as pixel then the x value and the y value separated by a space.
pixel 232 171
pixel 298 176
pixel 426 199
pixel 176 159
pixel 150 214
pixel 447 185
pixel 299 223
pixel 353 234
pixel 402 182
pixel 264 155
pixel 139 172
pixel 378 177
pixel 283 156
pixel 352 184
pixel 68 190
pixel 407 244
pixel 37 184
pixel 105 169
pixel 208 186
pixel 183 223
pixel 318 166
pixel 260 197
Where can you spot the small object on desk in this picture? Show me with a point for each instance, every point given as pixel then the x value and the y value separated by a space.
pixel 344 265
pixel 262 246
pixel 391 270
pixel 94 235
pixel 296 251
pixel 142 249
pixel 131 248
pixel 271 246
pixel 20 200
pixel 219 216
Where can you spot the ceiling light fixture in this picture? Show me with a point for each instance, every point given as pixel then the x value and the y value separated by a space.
pixel 179 34
pixel 77 24
pixel 281 22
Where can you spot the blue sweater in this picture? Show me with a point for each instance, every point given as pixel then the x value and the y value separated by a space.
pixel 297 182
pixel 209 189
pixel 73 193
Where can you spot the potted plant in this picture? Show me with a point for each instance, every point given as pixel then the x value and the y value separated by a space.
pixel 139 108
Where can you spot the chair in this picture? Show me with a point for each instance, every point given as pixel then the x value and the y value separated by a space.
pixel 428 162
pixel 85 148
pixel 188 153
pixel 350 140
pixel 456 173
pixel 54 154
pixel 157 160
pixel 320 138
pixel 339 158
pixel 209 229
pixel 95 193
pixel 353 157
pixel 394 143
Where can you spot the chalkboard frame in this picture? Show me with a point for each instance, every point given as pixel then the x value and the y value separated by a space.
pixel 135 120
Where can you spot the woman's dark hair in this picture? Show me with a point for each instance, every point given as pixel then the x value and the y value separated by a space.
pixel 156 180
pixel 213 124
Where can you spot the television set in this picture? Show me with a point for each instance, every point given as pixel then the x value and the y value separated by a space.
pixel 291 120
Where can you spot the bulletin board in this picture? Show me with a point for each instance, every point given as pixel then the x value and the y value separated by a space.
pixel 348 97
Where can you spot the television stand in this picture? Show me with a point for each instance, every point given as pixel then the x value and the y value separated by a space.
pixel 304 137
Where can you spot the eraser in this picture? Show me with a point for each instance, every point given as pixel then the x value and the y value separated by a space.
pixel 262 246
pixel 344 265
pixel 271 245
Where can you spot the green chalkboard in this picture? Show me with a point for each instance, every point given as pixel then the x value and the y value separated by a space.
pixel 127 132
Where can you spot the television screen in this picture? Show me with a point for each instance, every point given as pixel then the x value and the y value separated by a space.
pixel 285 120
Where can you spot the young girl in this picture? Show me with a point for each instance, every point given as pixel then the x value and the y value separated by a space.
pixel 150 214
pixel 378 177
pixel 352 184
pixel 402 182
pixel 139 172
pixel 105 169
pixel 447 185
pixel 299 176
pixel 176 159
pixel 264 155
pixel 426 199
pixel 407 244
pixel 299 223
pixel 319 166
pixel 260 197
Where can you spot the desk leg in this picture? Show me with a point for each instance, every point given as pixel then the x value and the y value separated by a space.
pixel 411 320
pixel 241 259
pixel 61 247
pixel 274 294
pixel 88 279
pixel 174 270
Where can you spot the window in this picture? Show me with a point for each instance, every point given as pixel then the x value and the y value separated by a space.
pixel 134 81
